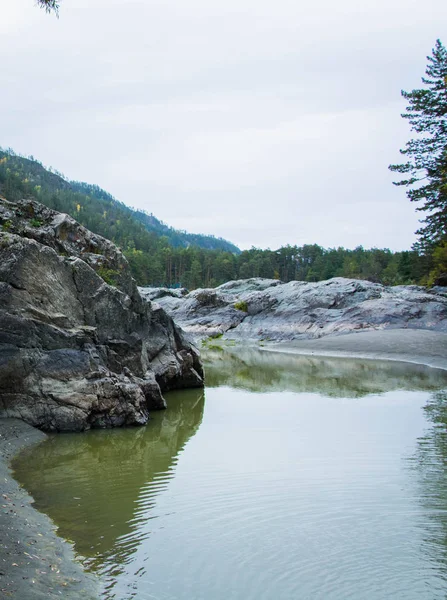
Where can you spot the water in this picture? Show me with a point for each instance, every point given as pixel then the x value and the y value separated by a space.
pixel 288 478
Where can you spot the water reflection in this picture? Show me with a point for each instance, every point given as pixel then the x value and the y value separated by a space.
pixel 259 371
pixel 93 485
pixel 430 462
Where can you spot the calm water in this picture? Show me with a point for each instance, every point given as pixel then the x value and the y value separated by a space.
pixel 288 478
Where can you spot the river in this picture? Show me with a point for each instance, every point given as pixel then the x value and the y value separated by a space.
pixel 287 478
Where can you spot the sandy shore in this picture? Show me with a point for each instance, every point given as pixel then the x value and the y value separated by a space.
pixel 406 345
pixel 34 562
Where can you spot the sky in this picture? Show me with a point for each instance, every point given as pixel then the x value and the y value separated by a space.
pixel 264 122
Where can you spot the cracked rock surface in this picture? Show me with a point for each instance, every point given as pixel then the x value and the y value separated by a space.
pixel 79 346
pixel 266 309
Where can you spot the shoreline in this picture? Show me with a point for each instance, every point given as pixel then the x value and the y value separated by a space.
pixel 421 346
pixel 35 563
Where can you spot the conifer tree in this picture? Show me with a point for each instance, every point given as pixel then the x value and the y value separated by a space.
pixel 49 5
pixel 427 152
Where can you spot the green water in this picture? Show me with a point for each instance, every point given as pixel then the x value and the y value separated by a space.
pixel 287 478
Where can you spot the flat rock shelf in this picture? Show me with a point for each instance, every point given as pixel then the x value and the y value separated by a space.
pixel 267 310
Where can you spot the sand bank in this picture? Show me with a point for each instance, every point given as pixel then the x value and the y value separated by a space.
pixel 406 345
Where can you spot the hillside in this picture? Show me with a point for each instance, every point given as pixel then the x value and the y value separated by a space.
pixel 92 206
pixel 162 256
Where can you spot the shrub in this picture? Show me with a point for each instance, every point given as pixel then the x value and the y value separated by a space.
pixel 110 276
pixel 241 305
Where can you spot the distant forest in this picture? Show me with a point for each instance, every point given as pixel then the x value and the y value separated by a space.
pixel 162 256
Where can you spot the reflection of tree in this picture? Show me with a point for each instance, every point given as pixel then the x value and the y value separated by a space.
pixel 430 461
pixel 255 370
pixel 90 484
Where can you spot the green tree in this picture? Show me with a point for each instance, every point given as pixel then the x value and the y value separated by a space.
pixel 426 166
pixel 438 276
pixel 194 276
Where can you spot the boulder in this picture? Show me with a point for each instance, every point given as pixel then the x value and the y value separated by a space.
pixel 79 346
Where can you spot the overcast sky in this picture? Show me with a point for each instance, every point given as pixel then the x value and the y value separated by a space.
pixel 266 122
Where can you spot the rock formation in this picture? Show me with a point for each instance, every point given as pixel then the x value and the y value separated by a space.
pixel 79 346
pixel 266 309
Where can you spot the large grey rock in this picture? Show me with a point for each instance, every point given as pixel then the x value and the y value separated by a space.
pixel 265 309
pixel 76 352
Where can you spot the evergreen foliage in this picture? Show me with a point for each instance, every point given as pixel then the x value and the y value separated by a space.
pixel 93 207
pixel 49 5
pixel 162 256
pixel 426 167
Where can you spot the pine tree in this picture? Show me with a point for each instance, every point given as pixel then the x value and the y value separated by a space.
pixel 427 153
pixel 49 5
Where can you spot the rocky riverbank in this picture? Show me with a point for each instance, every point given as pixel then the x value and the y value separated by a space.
pixel 265 310
pixel 34 562
pixel 79 346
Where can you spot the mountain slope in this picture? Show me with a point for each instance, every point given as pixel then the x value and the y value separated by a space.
pixel 93 207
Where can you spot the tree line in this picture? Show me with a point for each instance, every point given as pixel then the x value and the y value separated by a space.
pixel 194 267
pixel 157 259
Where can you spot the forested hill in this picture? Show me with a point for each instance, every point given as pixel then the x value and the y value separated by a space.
pixel 93 207
pixel 161 256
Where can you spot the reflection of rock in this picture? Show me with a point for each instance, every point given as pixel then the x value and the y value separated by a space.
pixel 76 352
pixel 268 309
pixel 92 483
pixel 254 370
